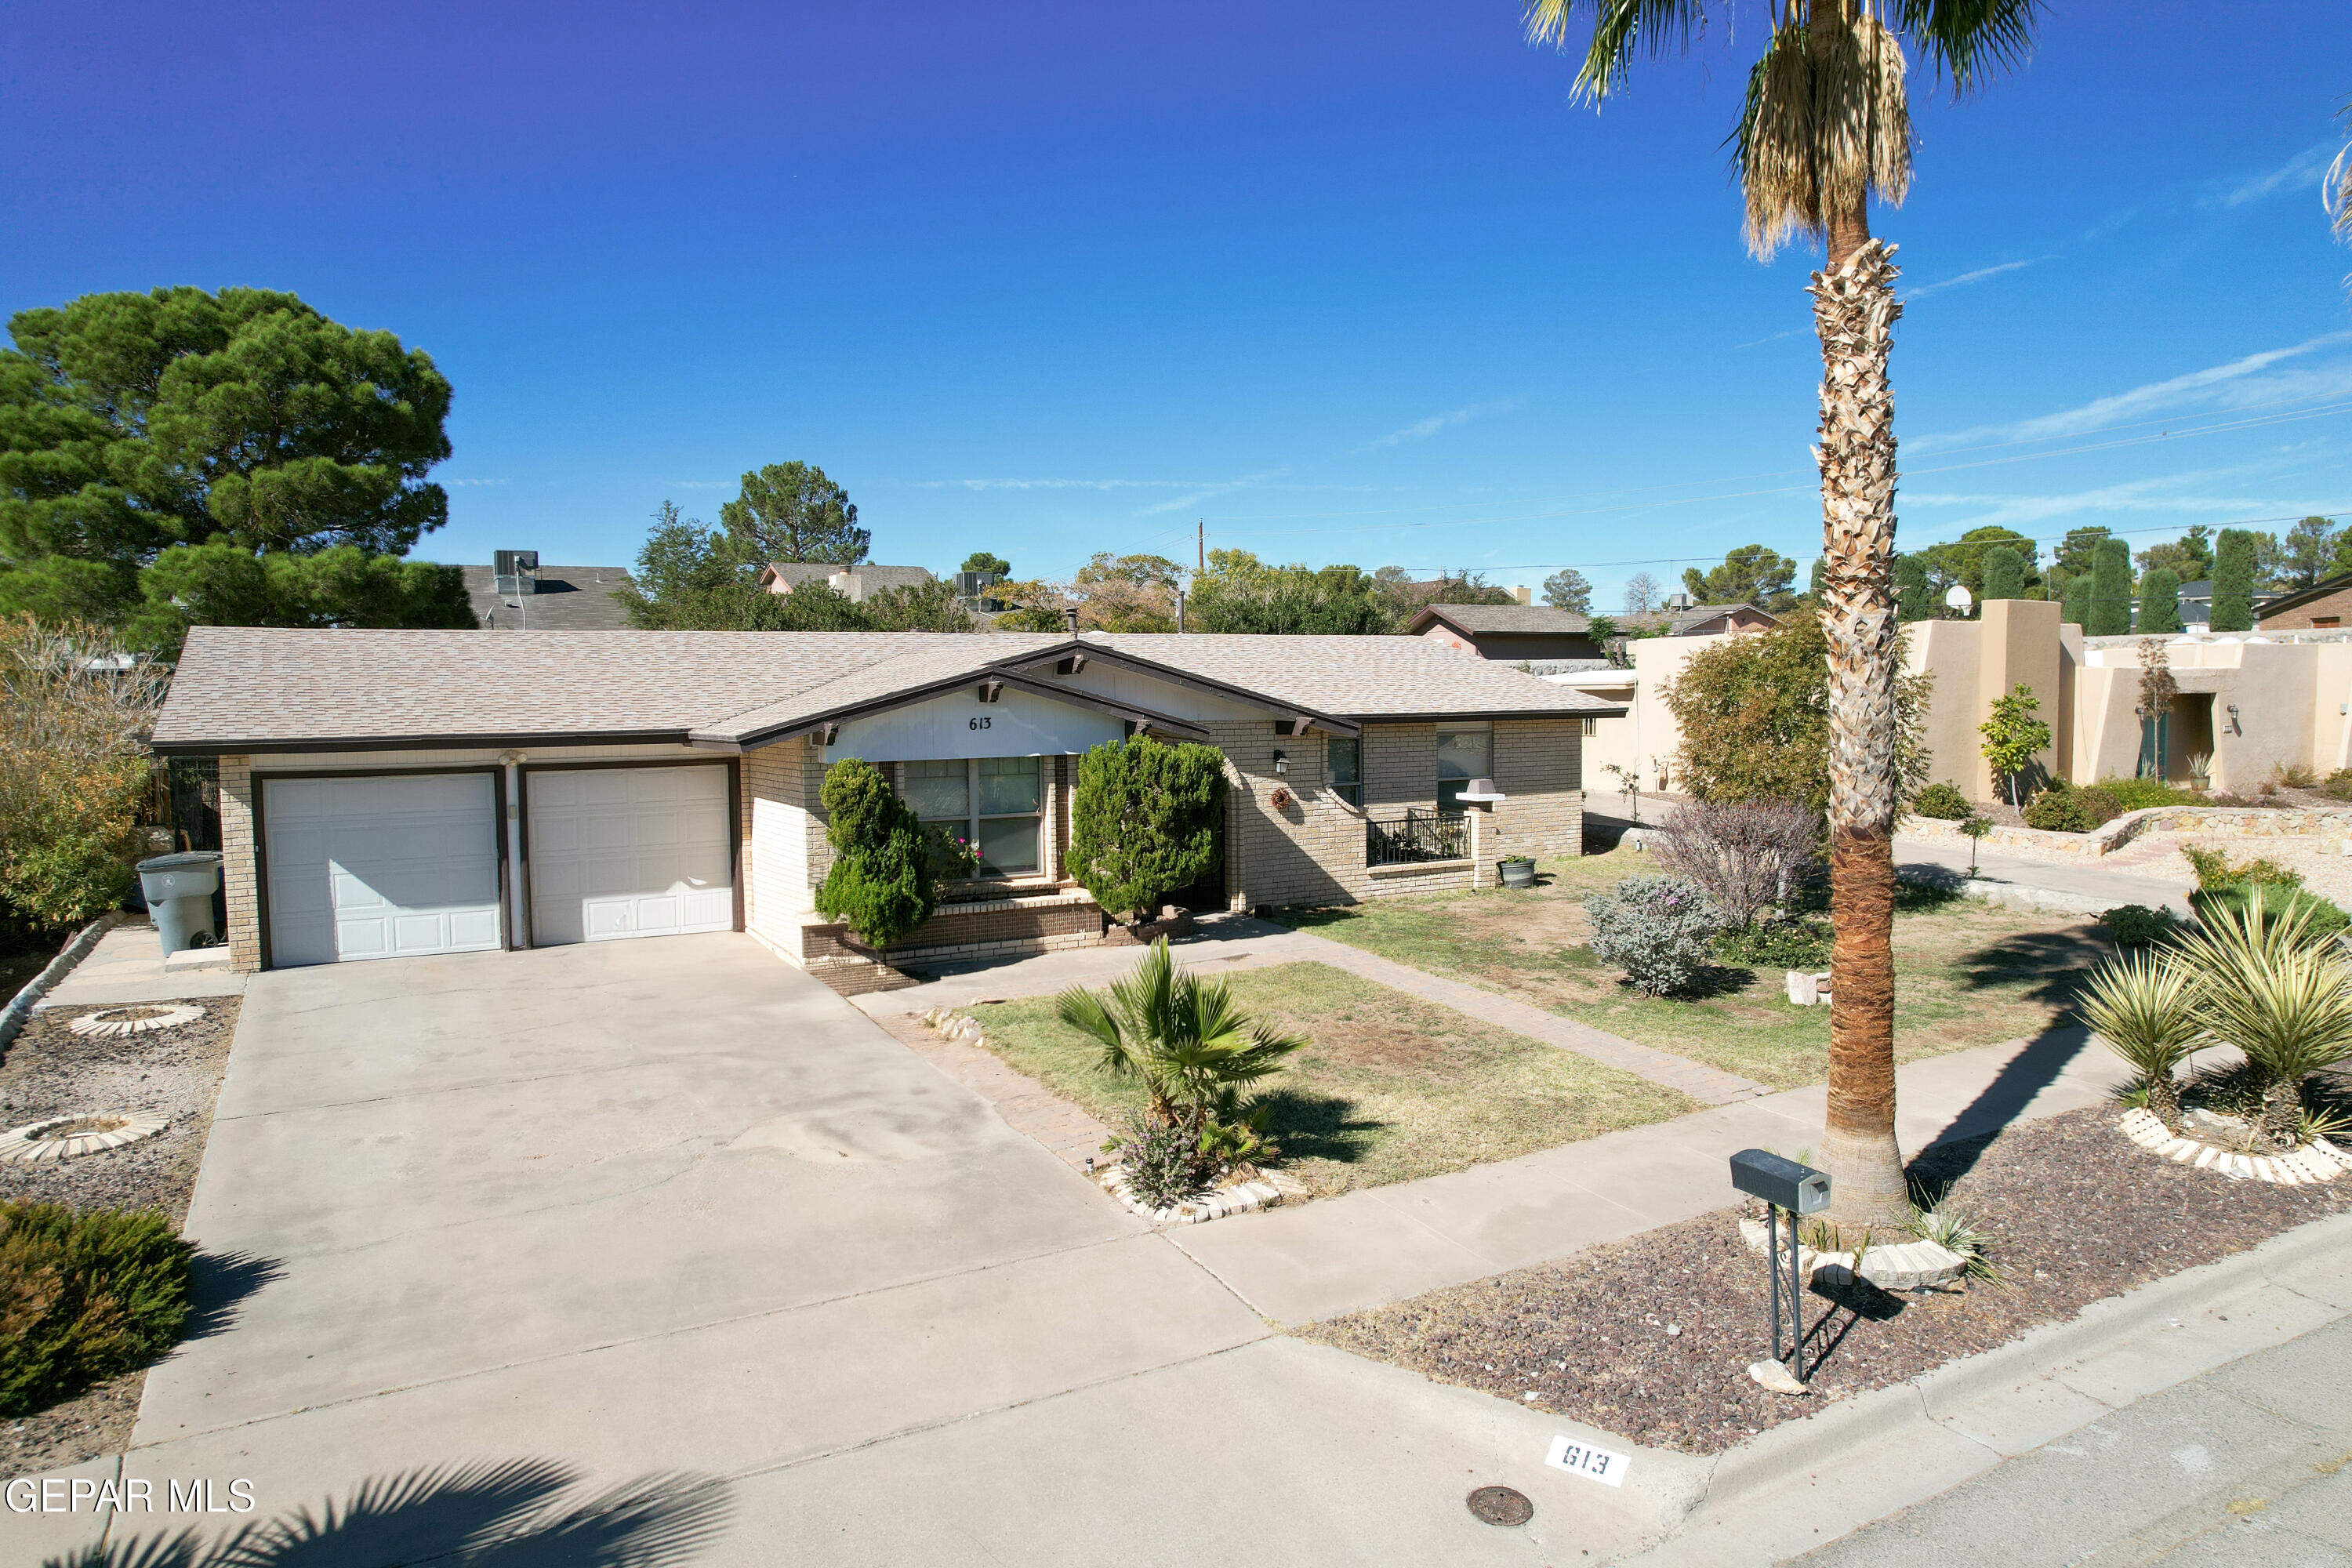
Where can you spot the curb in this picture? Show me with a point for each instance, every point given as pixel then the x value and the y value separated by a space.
pixel 1771 1460
pixel 20 1008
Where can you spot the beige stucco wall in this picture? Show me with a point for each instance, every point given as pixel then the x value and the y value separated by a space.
pixel 2015 643
pixel 2289 699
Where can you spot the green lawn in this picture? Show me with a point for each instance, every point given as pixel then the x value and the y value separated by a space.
pixel 1389 1088
pixel 1966 973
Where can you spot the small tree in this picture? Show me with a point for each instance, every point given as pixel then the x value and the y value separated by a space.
pixel 2159 601
pixel 2157 691
pixel 2234 550
pixel 987 560
pixel 74 717
pixel 2074 603
pixel 2013 733
pixel 882 882
pixel 1143 822
pixel 1914 600
pixel 2111 585
pixel 2004 573
pixel 790 511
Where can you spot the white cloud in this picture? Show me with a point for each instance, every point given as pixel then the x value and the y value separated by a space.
pixel 701 484
pixel 1775 337
pixel 456 484
pixel 1423 429
pixel 1060 484
pixel 2188 496
pixel 2239 383
pixel 1965 279
pixel 2304 168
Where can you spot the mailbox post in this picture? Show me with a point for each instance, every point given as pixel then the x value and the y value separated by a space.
pixel 1792 1189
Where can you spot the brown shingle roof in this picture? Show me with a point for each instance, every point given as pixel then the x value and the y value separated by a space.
pixel 1519 619
pixel 872 577
pixel 570 599
pixel 258 688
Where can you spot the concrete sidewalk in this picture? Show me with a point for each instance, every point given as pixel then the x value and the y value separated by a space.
pixel 127 966
pixel 2087 887
pixel 1236 942
pixel 1384 1244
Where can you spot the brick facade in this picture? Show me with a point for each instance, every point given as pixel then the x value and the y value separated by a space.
pixel 240 865
pixel 2323 612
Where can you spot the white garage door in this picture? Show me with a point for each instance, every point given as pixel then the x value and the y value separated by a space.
pixel 390 866
pixel 624 852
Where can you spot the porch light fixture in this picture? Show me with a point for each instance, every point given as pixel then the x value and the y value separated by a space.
pixel 1281 764
pixel 2235 728
pixel 1482 792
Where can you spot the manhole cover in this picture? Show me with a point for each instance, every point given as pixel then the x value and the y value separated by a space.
pixel 1501 1505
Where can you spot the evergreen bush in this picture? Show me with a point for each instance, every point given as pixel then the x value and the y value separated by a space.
pixel 1143 822
pixel 83 1296
pixel 1944 802
pixel 2064 808
pixel 883 882
pixel 2004 573
pixel 2159 601
pixel 2111 590
pixel 2233 581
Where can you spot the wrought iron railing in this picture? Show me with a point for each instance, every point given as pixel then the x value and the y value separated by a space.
pixel 1418 834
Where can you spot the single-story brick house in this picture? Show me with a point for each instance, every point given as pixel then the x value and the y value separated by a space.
pixel 394 792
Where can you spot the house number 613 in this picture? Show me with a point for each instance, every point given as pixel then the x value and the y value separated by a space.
pixel 982 723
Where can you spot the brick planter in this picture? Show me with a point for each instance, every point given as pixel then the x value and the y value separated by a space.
pixel 1010 927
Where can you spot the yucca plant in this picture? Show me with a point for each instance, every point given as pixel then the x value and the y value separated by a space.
pixel 2262 984
pixel 1191 1048
pixel 2140 1007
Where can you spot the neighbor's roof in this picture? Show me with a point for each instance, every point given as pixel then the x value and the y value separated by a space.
pixel 2282 602
pixel 1521 620
pixel 265 689
pixel 570 599
pixel 1678 621
pixel 873 578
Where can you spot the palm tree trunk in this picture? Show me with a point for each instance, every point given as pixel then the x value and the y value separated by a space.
pixel 1854 311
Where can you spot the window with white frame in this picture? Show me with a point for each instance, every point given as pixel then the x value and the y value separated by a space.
pixel 1465 751
pixel 996 805
pixel 1343 763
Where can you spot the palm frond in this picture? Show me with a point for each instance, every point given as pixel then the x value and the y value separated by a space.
pixel 1826 121
pixel 1082 1010
pixel 1619 28
pixel 2337 190
pixel 1968 40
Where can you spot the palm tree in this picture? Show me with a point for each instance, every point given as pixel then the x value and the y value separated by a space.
pixel 1182 1037
pixel 1825 125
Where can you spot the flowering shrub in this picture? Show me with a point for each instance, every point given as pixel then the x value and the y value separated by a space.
pixel 1656 929
pixel 954 857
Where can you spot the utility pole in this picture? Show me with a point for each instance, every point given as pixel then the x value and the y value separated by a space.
pixel 1201 528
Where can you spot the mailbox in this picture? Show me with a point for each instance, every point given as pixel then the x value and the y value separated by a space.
pixel 1783 1184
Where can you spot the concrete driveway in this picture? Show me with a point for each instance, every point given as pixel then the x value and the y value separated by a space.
pixel 658 1252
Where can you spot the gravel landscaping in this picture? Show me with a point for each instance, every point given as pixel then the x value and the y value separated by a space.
pixel 48 1070
pixel 1650 1337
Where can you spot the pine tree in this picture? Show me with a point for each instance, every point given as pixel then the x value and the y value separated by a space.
pixel 2075 603
pixel 2233 581
pixel 1914 600
pixel 2110 600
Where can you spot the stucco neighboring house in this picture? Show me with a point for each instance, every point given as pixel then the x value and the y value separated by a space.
pixel 1704 620
pixel 548 599
pixel 852 583
pixel 2248 704
pixel 1510 632
pixel 393 793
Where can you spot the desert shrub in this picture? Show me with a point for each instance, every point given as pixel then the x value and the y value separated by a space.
pixel 83 1296
pixel 2337 785
pixel 73 719
pixel 2069 808
pixel 1776 945
pixel 2140 1007
pixel 1944 802
pixel 1143 821
pixel 2217 872
pixel 1658 930
pixel 2281 898
pixel 2266 981
pixel 1160 1159
pixel 2138 794
pixel 1755 717
pixel 1746 855
pixel 882 884
pixel 2294 776
pixel 2136 925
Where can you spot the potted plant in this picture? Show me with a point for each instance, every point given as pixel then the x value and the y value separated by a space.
pixel 2201 771
pixel 1519 870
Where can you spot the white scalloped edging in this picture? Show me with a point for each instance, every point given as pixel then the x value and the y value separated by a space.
pixel 1916 1265
pixel 107 1024
pixel 2317 1160
pixel 1240 1197
pixel 25 1145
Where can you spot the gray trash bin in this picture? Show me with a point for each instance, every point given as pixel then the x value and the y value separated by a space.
pixel 179 890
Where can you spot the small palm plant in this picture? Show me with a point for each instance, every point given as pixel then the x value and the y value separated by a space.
pixel 2265 983
pixel 1195 1055
pixel 2139 1005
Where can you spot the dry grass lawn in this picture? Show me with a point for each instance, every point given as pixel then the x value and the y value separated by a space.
pixel 1388 1090
pixel 1966 973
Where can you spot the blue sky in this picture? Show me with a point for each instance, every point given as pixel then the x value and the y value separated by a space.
pixel 1344 283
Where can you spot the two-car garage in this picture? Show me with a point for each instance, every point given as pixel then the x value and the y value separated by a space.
pixel 399 864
